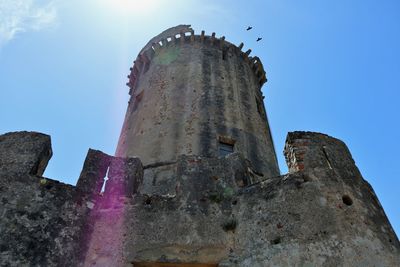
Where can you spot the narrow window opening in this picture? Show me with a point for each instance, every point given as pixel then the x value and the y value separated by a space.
pixel 225 146
pixel 225 149
pixel 146 67
pixel 327 158
pixel 139 96
pixel 223 54
pixel 105 181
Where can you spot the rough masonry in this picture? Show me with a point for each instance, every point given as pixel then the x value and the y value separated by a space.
pixel 195 181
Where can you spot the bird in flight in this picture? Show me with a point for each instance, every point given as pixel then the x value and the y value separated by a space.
pixel 259 39
pixel 249 28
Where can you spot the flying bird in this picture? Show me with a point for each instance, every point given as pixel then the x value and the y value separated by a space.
pixel 249 28
pixel 259 39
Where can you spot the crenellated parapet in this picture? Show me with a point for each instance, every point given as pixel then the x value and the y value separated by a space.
pixel 106 177
pixel 187 91
pixel 184 34
pixel 322 210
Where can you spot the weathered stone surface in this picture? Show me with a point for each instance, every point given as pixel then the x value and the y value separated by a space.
pixel 318 216
pixel 125 176
pixel 40 221
pixel 323 215
pixel 189 94
pixel 217 211
pixel 94 171
pixel 24 152
pixel 48 223
pixel 188 203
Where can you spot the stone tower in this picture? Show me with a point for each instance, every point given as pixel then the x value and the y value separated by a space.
pixel 196 95
pixel 194 182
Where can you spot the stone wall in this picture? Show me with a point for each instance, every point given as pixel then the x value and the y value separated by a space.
pixel 208 212
pixel 48 223
pixel 41 219
pixel 189 93
pixel 321 214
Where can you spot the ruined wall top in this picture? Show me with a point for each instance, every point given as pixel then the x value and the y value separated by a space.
pixel 24 152
pixel 310 152
pixel 322 203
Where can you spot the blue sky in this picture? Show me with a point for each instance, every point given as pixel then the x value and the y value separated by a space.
pixel 333 67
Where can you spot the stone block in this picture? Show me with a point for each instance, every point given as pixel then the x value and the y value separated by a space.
pixel 94 171
pixel 125 175
pixel 24 152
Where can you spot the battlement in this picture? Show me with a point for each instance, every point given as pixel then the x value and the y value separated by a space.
pixel 192 216
pixel 24 152
pixel 124 175
pixel 210 192
pixel 46 222
pixel 203 88
pixel 184 34
pixel 309 150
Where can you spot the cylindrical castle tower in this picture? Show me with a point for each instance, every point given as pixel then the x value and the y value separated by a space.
pixel 196 95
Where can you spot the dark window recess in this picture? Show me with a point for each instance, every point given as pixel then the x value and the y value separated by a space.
pixel 224 54
pixel 225 149
pixel 146 67
pixel 139 96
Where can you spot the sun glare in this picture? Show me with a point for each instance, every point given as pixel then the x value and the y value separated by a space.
pixel 135 7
